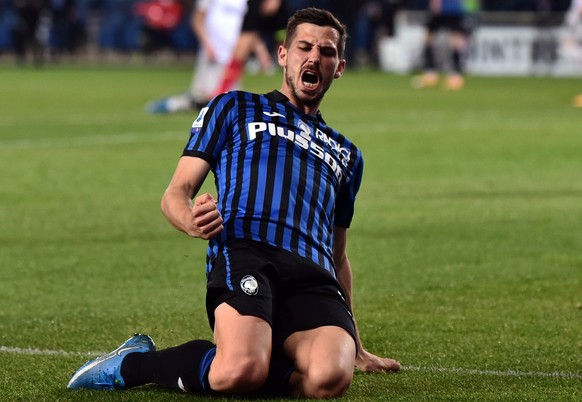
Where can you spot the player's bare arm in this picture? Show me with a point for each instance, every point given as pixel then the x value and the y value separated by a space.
pixel 200 218
pixel 199 28
pixel 365 361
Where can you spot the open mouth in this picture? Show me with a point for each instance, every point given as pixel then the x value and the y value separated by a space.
pixel 310 79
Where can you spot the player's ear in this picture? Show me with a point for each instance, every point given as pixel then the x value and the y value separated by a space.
pixel 339 71
pixel 282 56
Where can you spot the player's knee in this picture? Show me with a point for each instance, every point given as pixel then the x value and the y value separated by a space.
pixel 329 382
pixel 243 375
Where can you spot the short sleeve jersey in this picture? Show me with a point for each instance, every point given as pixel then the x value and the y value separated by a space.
pixel 283 177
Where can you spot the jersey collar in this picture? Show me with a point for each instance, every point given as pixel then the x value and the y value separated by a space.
pixel 277 96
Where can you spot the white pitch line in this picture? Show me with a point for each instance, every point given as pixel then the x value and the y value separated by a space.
pixel 498 373
pixel 44 352
pixel 451 370
pixel 112 139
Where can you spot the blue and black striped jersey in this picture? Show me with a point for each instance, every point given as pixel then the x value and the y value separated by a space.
pixel 283 177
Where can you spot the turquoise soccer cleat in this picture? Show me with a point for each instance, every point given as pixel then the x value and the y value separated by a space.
pixel 160 106
pixel 105 372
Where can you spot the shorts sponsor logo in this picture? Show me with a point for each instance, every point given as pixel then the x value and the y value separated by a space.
pixel 249 285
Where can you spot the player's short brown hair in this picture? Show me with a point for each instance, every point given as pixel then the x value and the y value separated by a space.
pixel 319 17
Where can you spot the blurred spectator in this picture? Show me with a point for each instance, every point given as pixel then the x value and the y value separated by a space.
pixel 120 26
pixel 375 19
pixel 522 5
pixel 159 19
pixel 67 32
pixel 6 22
pixel 456 17
pixel 114 25
pixel 182 37
pixel 25 36
pixel 347 11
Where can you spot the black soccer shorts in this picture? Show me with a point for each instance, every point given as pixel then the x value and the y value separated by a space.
pixel 289 292
pixel 254 20
pixel 454 23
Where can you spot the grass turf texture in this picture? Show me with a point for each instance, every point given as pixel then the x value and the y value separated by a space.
pixel 466 244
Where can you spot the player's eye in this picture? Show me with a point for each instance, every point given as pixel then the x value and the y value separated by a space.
pixel 328 51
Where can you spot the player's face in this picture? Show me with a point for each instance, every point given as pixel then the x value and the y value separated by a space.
pixel 310 65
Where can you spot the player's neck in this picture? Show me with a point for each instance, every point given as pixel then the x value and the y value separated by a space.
pixel 311 108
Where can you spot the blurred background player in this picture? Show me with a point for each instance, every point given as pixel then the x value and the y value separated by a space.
pixel 456 17
pixel 264 18
pixel 217 25
pixel 571 46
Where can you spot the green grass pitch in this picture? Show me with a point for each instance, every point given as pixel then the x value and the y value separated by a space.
pixel 466 244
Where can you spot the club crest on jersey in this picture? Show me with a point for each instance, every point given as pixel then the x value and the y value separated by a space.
pixel 249 285
pixel 200 119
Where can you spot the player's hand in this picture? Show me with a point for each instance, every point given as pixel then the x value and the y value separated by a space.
pixel 205 220
pixel 211 53
pixel 370 363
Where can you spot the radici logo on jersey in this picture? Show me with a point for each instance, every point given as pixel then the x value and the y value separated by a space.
pixel 303 139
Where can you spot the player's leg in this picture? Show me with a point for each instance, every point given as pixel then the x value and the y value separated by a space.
pixel 324 362
pixel 235 68
pixel 429 59
pixel 243 48
pixel 243 351
pixel 238 363
pixel 264 56
pixel 458 44
pixel 315 330
pixel 429 77
pixel 208 76
pixel 239 304
pixel 136 362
